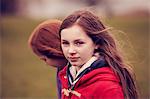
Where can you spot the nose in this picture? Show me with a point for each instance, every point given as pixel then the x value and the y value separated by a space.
pixel 71 50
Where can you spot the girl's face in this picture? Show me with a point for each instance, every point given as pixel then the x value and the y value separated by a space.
pixel 77 46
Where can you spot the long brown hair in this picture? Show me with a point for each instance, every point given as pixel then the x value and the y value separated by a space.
pixel 106 47
pixel 45 40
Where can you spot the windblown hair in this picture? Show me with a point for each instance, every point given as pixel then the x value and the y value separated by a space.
pixel 106 47
pixel 45 39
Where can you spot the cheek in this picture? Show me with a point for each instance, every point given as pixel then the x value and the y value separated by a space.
pixel 86 53
pixel 87 50
pixel 49 62
pixel 64 50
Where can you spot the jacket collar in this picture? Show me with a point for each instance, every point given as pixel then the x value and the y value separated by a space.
pixel 92 64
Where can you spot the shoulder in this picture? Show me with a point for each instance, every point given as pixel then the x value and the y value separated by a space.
pixel 102 74
pixel 102 83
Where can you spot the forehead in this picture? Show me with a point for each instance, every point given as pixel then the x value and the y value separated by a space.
pixel 74 32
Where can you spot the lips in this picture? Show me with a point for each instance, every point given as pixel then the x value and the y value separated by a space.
pixel 73 59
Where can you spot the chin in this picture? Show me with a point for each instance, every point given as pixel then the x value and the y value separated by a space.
pixel 74 64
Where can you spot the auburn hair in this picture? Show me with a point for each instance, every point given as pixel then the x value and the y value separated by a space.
pixel 45 40
pixel 107 48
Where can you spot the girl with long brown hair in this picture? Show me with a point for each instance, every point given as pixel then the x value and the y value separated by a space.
pixel 96 69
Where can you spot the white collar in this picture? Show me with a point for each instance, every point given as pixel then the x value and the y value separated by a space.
pixel 73 71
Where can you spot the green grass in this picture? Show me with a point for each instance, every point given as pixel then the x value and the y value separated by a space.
pixel 25 76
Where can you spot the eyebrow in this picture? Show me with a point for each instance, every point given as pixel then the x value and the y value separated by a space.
pixel 63 40
pixel 74 40
pixel 78 40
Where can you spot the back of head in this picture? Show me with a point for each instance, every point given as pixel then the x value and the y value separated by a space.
pixel 45 40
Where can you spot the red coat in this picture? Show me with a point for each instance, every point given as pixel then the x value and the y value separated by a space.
pixel 101 83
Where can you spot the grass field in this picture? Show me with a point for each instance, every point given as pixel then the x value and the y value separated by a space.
pixel 23 75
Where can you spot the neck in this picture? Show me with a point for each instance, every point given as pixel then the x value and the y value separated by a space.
pixel 87 64
pixel 77 68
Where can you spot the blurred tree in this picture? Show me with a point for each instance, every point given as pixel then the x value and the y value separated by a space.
pixel 92 2
pixel 106 5
pixel 8 7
